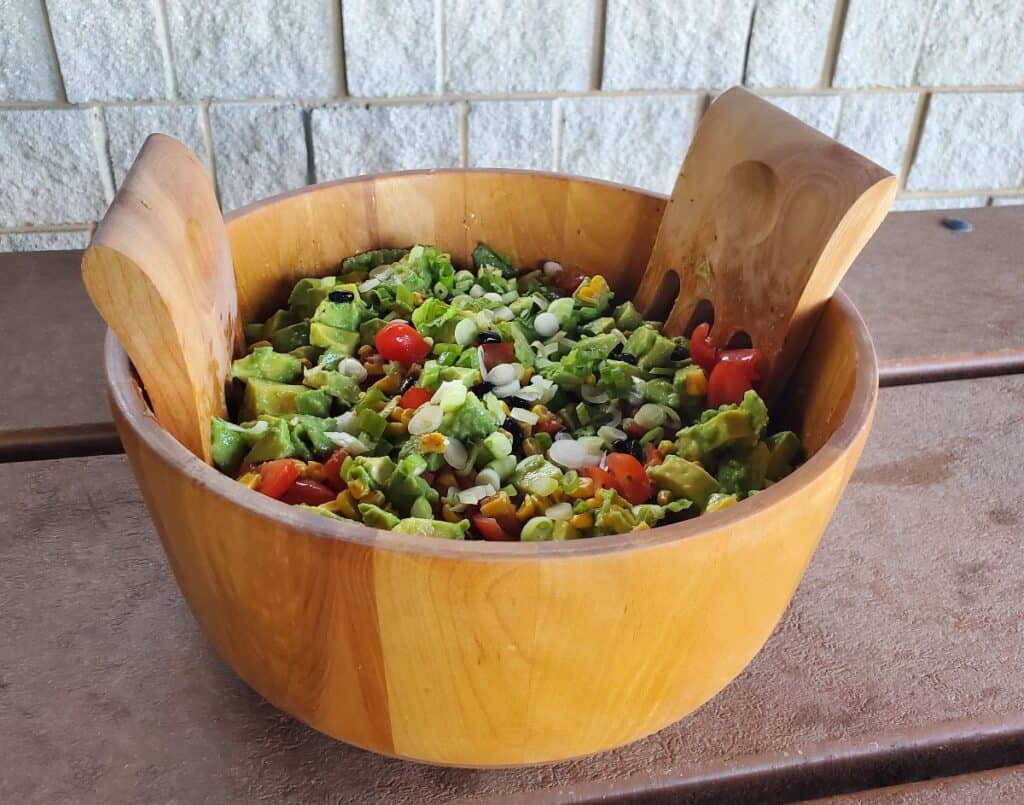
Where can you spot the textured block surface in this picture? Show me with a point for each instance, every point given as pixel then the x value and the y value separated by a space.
pixel 527 46
pixel 43 241
pixel 685 44
pixel 27 68
pixel 109 51
pixel 511 134
pixel 409 64
pixel 354 139
pixel 973 42
pixel 51 167
pixel 1007 201
pixel 129 126
pixel 634 140
pixel 260 150
pixel 257 49
pixel 788 42
pixel 818 111
pixel 880 43
pixel 971 141
pixel 878 126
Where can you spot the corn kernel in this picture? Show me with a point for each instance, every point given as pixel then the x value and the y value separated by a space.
pixel 358 489
pixel 504 407
pixel 497 505
pixel 527 374
pixel 417 298
pixel 389 384
pixel 433 442
pixel 582 521
pixel 584 488
pixel 541 504
pixel 365 351
pixel 396 413
pixel 407 414
pixel 526 510
pixel 373 368
pixel 376 497
pixel 343 505
pixel 591 379
pixel 395 428
pixel 449 515
pixel 445 479
pixel 314 470
pixel 530 447
pixel 540 410
pixel 723 502
pixel 664 497
pixel 696 383
pixel 251 480
pixel 641 526
pixel 665 447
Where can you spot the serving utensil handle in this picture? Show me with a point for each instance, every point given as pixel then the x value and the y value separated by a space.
pixel 766 216
pixel 159 271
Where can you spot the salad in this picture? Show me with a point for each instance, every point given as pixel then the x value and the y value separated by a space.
pixel 416 397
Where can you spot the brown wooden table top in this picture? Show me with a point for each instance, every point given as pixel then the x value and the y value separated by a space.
pixel 899 657
pixel 995 787
pixel 910 285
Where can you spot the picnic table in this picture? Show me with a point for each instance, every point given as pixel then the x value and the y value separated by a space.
pixel 897 662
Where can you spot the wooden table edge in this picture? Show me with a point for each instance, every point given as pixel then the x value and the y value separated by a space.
pixel 66 441
pixel 943 749
pixel 958 366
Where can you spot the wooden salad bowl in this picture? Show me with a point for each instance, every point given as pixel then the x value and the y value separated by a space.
pixel 480 653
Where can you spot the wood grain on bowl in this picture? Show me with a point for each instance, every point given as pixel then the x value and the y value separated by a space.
pixel 474 653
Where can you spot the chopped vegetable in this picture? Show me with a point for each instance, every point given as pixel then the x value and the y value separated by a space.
pixel 483 404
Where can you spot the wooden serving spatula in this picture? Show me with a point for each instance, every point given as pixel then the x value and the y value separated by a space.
pixel 765 218
pixel 159 270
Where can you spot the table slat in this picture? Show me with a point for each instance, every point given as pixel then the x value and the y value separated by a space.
pixel 909 619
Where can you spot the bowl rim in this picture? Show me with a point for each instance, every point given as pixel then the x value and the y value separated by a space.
pixel 128 401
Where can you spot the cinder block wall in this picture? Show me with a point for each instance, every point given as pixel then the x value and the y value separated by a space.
pixel 274 95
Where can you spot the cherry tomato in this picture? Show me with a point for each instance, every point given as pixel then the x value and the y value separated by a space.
pixel 488 528
pixel 277 476
pixel 398 341
pixel 550 424
pixel 631 479
pixel 332 470
pixel 415 397
pixel 703 352
pixel 733 376
pixel 498 353
pixel 635 430
pixel 308 491
pixel 651 455
pixel 568 280
pixel 601 478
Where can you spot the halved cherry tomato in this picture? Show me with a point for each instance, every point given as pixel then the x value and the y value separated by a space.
pixel 651 455
pixel 415 397
pixel 398 341
pixel 631 479
pixel 308 491
pixel 488 528
pixel 635 430
pixel 733 375
pixel 568 280
pixel 497 353
pixel 603 478
pixel 277 476
pixel 703 352
pixel 332 470
pixel 550 424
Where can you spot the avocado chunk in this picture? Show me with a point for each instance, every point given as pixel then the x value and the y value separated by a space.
pixel 264 363
pixel 278 321
pixel 227 446
pixel 627 317
pixel 730 426
pixel 684 479
pixel 368 331
pixel 641 340
pixel 333 338
pixel 404 488
pixel 307 294
pixel 310 431
pixel 275 443
pixel 315 402
pixel 291 337
pixel 785 452
pixel 268 397
pixel 378 468
pixel 342 387
pixel 376 517
pixel 253 332
pixel 741 474
pixel 341 315
pixel 470 421
pixel 421 527
pixel 659 353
